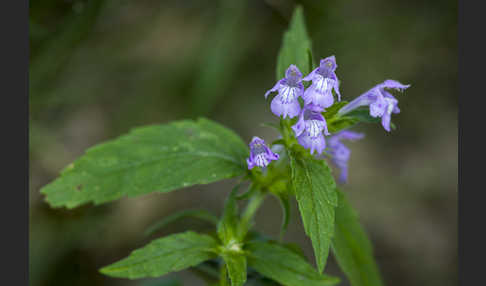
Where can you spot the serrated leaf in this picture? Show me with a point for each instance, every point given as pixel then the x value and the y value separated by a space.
pixel 164 255
pixel 296 46
pixel 236 266
pixel 227 226
pixel 158 158
pixel 284 266
pixel 315 190
pixel 352 248
pixel 199 214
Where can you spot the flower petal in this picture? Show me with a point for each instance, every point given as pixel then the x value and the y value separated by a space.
pixel 328 63
pixel 293 72
pixel 391 103
pixel 313 97
pixel 311 75
pixel 279 108
pixel 393 84
pixel 349 135
pixel 336 88
pixel 273 89
pixel 364 99
pixel 378 107
pixel 299 127
pixel 314 144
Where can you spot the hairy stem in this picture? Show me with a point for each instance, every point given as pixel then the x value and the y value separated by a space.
pixel 250 211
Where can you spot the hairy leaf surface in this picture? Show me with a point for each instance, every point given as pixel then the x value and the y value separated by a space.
pixel 164 255
pixel 285 266
pixel 315 190
pixel 158 158
pixel 236 266
pixel 228 225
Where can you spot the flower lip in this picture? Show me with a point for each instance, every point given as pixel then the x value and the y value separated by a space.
pixel 311 122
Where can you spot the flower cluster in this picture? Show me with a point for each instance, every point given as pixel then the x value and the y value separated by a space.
pixel 311 127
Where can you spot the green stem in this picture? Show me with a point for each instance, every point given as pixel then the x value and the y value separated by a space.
pixel 223 280
pixel 250 211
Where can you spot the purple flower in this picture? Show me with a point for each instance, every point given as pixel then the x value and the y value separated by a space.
pixel 340 153
pixel 260 154
pixel 289 89
pixel 309 128
pixel 314 144
pixel 324 79
pixel 381 102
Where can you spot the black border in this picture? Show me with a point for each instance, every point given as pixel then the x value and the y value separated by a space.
pixel 14 210
pixel 471 183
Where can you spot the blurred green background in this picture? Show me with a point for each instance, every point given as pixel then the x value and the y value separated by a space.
pixel 101 68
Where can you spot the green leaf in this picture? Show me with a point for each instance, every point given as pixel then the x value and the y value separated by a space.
pixel 295 248
pixel 332 111
pixel 341 123
pixel 284 265
pixel 236 266
pixel 315 190
pixel 336 123
pixel 199 214
pixel 284 200
pixel 227 226
pixel 296 46
pixel 352 249
pixel 363 115
pixel 164 255
pixel 247 217
pixel 158 158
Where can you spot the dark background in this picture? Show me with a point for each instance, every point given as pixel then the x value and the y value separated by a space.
pixel 99 68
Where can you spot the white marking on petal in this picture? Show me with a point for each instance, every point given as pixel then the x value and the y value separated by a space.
pixel 314 127
pixel 288 93
pixel 390 104
pixel 261 160
pixel 323 85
